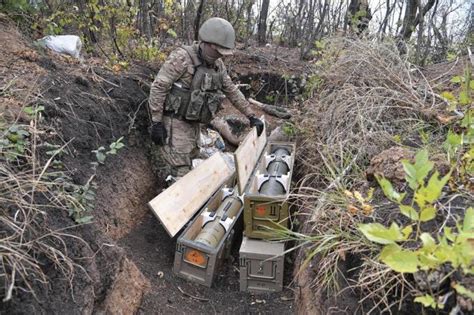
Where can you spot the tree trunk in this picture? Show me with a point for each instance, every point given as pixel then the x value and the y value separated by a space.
pixel 143 19
pixel 89 35
pixel 419 41
pixel 388 12
pixel 262 22
pixel 249 22
pixel 470 32
pixel 198 20
pixel 412 19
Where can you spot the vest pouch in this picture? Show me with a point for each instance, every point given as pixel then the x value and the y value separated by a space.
pixel 214 101
pixel 177 99
pixel 198 101
pixel 172 103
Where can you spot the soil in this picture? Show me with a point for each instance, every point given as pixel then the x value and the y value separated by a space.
pixel 124 263
pixel 152 251
pixel 274 74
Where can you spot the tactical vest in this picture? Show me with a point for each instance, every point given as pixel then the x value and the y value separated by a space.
pixel 203 99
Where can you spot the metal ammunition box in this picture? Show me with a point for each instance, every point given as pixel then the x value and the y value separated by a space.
pixel 196 261
pixel 264 213
pixel 261 266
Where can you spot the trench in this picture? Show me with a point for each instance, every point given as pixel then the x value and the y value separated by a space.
pixel 150 248
pixel 273 88
pixel 124 257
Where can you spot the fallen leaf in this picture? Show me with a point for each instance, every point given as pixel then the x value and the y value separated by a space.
pixel 352 209
pixel 445 119
pixel 368 209
pixel 348 193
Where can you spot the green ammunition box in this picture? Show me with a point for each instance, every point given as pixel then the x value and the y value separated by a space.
pixel 265 213
pixel 196 261
pixel 261 266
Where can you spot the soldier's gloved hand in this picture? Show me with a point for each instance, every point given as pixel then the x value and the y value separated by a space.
pixel 158 133
pixel 255 122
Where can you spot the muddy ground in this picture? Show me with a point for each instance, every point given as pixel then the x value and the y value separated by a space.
pixel 126 256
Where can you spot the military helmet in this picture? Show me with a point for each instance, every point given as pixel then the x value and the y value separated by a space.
pixel 218 31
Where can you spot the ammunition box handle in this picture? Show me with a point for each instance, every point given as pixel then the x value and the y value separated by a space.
pixel 261 276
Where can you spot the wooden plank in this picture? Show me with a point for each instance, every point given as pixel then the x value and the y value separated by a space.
pixel 175 206
pixel 247 155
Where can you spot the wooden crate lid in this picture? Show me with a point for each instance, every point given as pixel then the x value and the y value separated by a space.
pixel 175 206
pixel 247 155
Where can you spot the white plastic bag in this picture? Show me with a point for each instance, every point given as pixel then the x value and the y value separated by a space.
pixel 63 44
pixel 210 141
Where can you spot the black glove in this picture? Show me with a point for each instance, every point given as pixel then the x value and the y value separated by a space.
pixel 255 122
pixel 158 133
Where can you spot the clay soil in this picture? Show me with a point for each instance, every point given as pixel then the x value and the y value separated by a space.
pixel 127 256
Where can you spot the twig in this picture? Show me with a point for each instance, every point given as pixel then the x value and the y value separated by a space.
pixel 102 78
pixel 192 296
pixel 471 57
pixel 243 85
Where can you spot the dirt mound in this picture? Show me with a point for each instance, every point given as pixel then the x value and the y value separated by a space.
pixel 20 70
pixel 271 74
pixel 388 164
pixel 125 294
pixel 85 114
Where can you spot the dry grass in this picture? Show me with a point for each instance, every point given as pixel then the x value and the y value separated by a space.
pixel 369 95
pixel 30 193
pixel 368 98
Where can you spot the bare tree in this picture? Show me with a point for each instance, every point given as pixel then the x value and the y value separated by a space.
pixel 143 19
pixel 262 22
pixel 248 30
pixel 414 14
pixel 388 12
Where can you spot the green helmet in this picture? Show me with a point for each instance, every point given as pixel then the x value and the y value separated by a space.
pixel 218 31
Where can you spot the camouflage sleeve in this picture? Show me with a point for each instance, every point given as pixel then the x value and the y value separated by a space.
pixel 234 94
pixel 170 72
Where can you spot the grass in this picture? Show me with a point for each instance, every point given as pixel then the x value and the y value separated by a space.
pixel 31 191
pixel 370 100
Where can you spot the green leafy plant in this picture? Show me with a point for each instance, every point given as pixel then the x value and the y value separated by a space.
pixel 313 83
pixel 453 247
pixel 464 96
pixel 289 129
pixel 16 6
pixel 101 153
pixel 79 199
pixel 270 98
pixel 459 143
pixel 428 301
pixel 33 111
pixel 356 19
pixel 14 142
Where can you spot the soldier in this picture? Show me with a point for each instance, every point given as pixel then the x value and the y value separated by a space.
pixel 188 90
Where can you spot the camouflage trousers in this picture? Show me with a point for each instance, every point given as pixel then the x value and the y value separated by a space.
pixel 175 157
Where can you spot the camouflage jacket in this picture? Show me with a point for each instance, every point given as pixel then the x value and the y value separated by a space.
pixel 179 67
